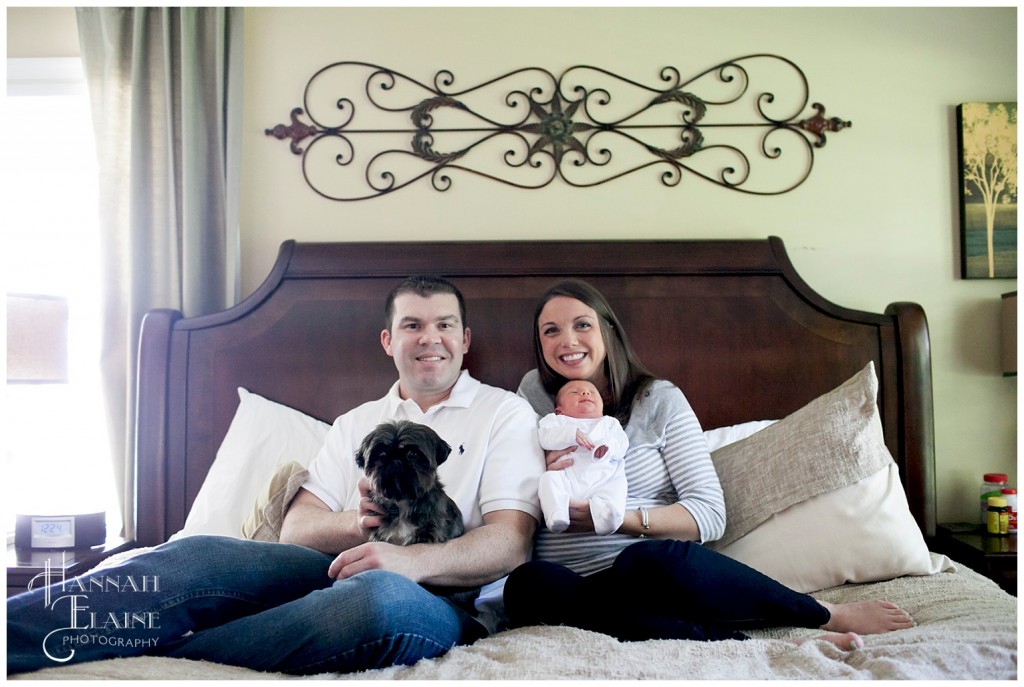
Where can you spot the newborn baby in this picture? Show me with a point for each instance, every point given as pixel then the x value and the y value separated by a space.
pixel 598 473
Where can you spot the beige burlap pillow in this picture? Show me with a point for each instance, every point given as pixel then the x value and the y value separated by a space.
pixel 264 524
pixel 832 442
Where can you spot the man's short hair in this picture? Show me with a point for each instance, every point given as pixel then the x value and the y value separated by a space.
pixel 424 286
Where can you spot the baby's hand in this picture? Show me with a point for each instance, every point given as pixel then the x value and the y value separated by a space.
pixel 583 440
pixel 600 451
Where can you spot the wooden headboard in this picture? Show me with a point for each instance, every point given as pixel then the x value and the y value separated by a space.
pixel 729 321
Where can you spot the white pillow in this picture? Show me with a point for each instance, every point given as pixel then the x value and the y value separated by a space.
pixel 723 436
pixel 263 436
pixel 859 533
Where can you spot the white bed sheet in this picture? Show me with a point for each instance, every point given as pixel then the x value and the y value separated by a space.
pixel 966 629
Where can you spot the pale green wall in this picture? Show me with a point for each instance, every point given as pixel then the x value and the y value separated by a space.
pixel 42 32
pixel 876 222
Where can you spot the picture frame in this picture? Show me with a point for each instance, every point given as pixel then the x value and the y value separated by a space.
pixel 987 165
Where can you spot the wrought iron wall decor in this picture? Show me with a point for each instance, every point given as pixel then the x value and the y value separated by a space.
pixel 587 126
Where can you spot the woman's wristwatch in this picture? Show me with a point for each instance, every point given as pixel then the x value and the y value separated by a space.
pixel 645 521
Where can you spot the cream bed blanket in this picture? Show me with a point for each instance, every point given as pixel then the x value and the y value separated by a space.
pixel 966 629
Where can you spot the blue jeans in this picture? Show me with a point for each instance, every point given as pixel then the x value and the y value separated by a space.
pixel 659 589
pixel 264 606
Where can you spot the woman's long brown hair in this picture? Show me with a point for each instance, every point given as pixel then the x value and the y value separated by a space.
pixel 626 375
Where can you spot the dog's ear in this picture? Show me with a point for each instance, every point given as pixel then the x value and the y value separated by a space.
pixel 441 449
pixel 364 450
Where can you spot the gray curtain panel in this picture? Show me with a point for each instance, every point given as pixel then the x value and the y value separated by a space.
pixel 165 87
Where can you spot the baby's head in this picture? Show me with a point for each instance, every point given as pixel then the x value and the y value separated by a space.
pixel 579 398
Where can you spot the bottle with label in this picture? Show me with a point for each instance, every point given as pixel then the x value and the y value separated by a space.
pixel 998 517
pixel 991 485
pixel 1010 494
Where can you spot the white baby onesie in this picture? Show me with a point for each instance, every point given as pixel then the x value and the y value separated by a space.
pixel 601 481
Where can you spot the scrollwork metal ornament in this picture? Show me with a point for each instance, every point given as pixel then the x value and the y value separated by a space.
pixel 587 126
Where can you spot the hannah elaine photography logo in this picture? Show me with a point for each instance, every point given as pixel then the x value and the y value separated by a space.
pixel 109 629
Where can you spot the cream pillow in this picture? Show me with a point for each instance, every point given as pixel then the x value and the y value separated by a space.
pixel 263 435
pixel 860 533
pixel 815 500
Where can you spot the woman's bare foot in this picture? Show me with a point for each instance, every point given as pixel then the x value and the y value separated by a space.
pixel 866 617
pixel 847 641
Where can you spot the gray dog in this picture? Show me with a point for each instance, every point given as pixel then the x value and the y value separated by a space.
pixel 400 460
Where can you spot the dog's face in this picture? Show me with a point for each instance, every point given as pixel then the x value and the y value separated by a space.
pixel 400 459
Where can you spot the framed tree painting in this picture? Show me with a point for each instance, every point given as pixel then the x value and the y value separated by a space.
pixel 987 138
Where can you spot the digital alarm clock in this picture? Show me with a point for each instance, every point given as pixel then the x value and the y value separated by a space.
pixel 60 531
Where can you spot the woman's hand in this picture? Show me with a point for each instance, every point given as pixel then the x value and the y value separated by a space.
pixel 580 518
pixel 559 459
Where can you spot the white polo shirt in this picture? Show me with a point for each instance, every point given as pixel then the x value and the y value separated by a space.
pixel 495 463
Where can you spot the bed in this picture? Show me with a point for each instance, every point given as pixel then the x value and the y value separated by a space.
pixel 231 398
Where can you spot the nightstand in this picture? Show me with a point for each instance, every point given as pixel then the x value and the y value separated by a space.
pixel 24 565
pixel 993 557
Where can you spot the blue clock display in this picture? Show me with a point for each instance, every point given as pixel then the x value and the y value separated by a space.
pixel 53 532
pixel 60 531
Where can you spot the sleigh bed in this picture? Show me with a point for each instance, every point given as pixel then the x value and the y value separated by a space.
pixel 729 321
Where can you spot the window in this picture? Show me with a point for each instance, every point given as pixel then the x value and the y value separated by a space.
pixel 55 439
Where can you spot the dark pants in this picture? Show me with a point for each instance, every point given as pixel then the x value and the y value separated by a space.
pixel 659 589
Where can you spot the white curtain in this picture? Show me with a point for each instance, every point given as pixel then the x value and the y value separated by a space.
pixel 165 87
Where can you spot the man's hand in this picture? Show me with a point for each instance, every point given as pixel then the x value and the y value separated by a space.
pixel 376 556
pixel 369 516
pixel 372 555
pixel 480 556
pixel 309 522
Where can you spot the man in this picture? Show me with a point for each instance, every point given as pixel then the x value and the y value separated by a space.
pixel 335 602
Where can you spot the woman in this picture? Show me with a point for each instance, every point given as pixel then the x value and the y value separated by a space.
pixel 651 579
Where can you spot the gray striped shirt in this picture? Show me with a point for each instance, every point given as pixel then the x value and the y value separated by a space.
pixel 667 462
